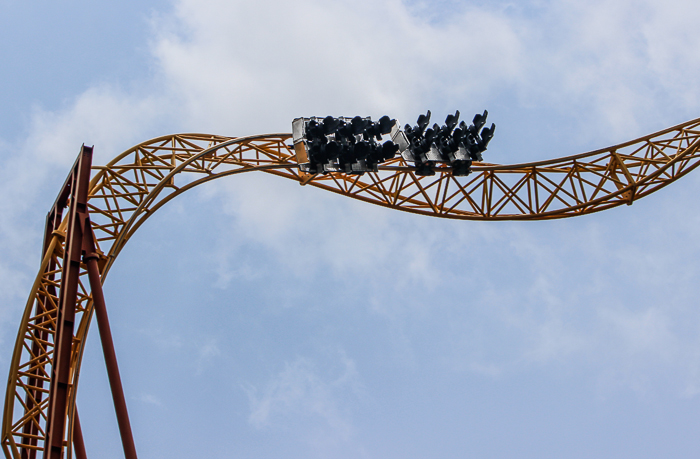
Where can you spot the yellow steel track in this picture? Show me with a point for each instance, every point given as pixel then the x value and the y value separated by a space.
pixel 125 192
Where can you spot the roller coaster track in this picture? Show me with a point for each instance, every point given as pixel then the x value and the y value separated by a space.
pixel 128 190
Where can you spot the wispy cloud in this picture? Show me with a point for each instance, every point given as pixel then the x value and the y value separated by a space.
pixel 208 351
pixel 150 399
pixel 300 390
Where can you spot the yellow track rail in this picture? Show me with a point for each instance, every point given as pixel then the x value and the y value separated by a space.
pixel 125 192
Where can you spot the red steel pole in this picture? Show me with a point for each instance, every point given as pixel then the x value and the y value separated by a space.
pixel 115 381
pixel 78 181
pixel 78 443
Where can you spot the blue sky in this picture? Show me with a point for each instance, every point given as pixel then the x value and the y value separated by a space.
pixel 254 318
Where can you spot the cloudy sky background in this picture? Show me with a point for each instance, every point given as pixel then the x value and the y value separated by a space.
pixel 255 318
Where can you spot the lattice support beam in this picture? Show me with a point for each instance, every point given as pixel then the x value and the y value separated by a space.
pixel 123 194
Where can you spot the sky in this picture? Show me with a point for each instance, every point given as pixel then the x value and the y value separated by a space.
pixel 254 318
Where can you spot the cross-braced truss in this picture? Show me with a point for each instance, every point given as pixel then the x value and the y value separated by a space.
pixel 125 192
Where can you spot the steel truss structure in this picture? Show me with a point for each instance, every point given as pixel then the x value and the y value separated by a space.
pixel 107 204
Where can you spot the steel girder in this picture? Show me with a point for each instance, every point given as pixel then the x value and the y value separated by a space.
pixel 125 192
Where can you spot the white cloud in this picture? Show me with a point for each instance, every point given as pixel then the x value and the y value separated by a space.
pixel 164 339
pixel 647 332
pixel 150 399
pixel 208 351
pixel 301 392
pixel 237 72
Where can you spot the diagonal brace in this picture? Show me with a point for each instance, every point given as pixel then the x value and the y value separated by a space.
pixel 90 258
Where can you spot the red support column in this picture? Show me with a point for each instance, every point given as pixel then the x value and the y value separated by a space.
pixel 68 295
pixel 115 381
pixel 78 442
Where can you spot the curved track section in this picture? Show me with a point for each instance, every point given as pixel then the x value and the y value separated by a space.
pixel 125 192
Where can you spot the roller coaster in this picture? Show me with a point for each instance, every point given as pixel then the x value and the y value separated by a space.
pixel 99 208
